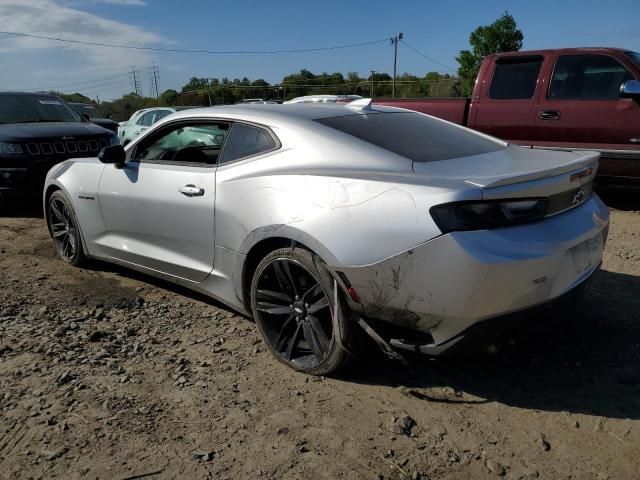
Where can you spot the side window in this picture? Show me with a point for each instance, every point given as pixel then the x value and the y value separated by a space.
pixel 587 77
pixel 246 140
pixel 515 78
pixel 161 114
pixel 146 120
pixel 185 143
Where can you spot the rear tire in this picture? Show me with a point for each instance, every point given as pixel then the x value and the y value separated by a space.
pixel 293 304
pixel 64 229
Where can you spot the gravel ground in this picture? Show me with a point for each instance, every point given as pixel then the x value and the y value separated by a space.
pixel 110 374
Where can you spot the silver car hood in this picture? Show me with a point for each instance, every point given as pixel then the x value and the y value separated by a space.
pixel 510 165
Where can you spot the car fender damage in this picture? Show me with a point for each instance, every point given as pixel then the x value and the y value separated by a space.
pixel 446 285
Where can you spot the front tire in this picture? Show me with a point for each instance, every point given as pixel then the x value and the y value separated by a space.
pixel 293 304
pixel 64 230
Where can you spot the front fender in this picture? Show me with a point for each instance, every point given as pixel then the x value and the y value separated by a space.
pixel 79 180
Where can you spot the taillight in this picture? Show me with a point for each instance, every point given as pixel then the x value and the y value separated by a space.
pixel 485 215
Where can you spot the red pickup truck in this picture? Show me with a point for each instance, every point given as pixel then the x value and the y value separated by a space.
pixel 574 98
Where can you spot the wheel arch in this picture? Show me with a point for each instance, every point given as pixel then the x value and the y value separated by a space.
pixel 49 190
pixel 282 236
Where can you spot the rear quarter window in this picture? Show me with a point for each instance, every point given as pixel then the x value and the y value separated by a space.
pixel 418 137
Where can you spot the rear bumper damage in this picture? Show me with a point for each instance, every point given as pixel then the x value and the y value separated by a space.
pixel 443 290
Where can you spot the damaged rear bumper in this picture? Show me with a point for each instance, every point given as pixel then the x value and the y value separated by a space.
pixel 450 286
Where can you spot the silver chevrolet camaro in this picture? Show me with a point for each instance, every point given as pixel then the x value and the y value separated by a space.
pixel 325 221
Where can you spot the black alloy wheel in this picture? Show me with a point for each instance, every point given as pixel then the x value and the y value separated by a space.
pixel 63 228
pixel 292 304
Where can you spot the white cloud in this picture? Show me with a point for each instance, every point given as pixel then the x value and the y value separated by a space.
pixel 53 19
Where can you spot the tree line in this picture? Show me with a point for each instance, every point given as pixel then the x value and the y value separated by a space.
pixel 500 36
pixel 201 91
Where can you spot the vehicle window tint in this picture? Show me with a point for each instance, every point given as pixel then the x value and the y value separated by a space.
pixel 587 77
pixel 190 143
pixel 634 56
pixel 418 137
pixel 146 120
pixel 515 78
pixel 21 108
pixel 161 114
pixel 245 140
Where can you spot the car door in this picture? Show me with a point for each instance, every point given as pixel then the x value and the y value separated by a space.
pixel 507 104
pixel 582 106
pixel 159 208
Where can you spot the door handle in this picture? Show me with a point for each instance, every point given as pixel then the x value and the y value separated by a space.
pixel 549 115
pixel 191 191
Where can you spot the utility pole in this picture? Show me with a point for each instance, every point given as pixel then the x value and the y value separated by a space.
pixel 373 72
pixel 394 42
pixel 136 83
pixel 155 79
pixel 209 90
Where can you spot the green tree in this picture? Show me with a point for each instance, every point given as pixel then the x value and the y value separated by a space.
pixel 196 84
pixel 502 35
pixel 168 97
pixel 74 97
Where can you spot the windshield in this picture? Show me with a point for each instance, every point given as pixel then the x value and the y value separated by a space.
pixel 418 137
pixel 35 108
pixel 634 56
pixel 89 110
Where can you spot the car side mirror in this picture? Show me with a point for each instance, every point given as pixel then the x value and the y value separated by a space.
pixel 86 117
pixel 630 89
pixel 114 154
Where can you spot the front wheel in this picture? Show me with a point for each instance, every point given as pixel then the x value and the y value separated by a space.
pixel 64 230
pixel 294 305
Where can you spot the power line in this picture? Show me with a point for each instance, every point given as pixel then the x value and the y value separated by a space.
pixel 181 50
pixel 107 88
pixel 428 57
pixel 77 84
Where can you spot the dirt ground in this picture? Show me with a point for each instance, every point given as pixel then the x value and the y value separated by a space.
pixel 110 374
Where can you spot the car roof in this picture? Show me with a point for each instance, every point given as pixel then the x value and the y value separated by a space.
pixel 285 113
pixel 34 94
pixel 575 50
pixel 177 109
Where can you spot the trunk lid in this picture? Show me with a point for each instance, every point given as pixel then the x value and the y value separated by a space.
pixel 564 178
pixel 509 166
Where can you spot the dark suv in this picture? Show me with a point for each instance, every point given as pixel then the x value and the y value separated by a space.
pixel 94 115
pixel 36 132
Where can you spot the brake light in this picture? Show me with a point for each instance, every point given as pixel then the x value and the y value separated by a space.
pixel 485 215
pixel 580 175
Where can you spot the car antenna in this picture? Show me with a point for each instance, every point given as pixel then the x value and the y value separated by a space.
pixel 361 104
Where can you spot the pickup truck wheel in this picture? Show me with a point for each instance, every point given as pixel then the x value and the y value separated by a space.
pixel 63 227
pixel 292 302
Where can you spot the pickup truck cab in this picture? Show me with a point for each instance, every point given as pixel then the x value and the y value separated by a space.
pixel 573 99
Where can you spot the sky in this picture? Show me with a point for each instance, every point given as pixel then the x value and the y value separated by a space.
pixel 437 29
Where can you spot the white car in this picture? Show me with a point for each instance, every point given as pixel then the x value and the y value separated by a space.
pixel 324 99
pixel 141 120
